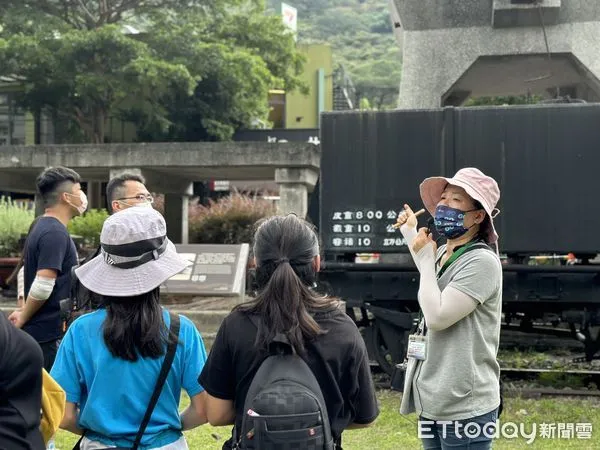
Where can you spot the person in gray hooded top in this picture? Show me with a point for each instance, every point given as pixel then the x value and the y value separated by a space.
pixel 452 378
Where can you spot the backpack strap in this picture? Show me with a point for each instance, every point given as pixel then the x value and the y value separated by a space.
pixel 237 440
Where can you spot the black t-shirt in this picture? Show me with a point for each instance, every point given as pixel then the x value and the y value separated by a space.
pixel 49 246
pixel 338 359
pixel 21 363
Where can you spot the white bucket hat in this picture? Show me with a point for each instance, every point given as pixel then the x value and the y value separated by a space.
pixel 136 256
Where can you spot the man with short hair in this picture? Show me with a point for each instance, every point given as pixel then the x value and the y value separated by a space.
pixel 122 192
pixel 49 255
pixel 125 191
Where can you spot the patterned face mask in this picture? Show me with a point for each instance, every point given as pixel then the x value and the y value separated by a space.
pixel 450 221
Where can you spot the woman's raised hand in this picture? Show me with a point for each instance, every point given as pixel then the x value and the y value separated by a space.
pixel 408 217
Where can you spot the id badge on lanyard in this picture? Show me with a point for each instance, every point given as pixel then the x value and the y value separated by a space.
pixel 417 343
pixel 417 347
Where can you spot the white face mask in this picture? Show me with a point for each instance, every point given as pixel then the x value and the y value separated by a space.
pixel 84 202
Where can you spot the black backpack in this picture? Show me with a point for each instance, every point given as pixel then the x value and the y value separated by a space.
pixel 284 408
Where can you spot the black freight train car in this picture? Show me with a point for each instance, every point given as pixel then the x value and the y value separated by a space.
pixel 546 160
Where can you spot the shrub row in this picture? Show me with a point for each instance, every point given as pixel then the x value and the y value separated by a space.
pixel 229 220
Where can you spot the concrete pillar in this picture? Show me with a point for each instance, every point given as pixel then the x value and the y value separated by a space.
pixel 293 198
pixel 176 213
pixel 94 195
pixel 500 43
pixel 176 217
pixel 294 187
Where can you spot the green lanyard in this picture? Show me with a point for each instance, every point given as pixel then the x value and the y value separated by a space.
pixel 447 264
pixel 454 257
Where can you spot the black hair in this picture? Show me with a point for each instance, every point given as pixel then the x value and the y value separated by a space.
pixel 285 248
pixel 134 326
pixel 116 185
pixel 54 181
pixel 485 224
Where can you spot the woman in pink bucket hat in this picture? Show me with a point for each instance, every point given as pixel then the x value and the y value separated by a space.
pixel 452 379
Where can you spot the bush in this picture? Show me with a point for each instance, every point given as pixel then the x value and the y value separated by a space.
pixel 89 226
pixel 15 220
pixel 229 220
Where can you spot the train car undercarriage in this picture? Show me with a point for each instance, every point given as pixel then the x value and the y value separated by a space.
pixel 561 301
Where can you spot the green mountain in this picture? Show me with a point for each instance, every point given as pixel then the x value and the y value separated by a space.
pixel 360 33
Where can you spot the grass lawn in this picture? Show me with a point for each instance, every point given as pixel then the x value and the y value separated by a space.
pixel 393 431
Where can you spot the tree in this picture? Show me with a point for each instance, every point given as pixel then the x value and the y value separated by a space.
pixel 231 93
pixel 187 76
pixel 88 76
pixel 360 33
pixel 92 14
pixel 238 57
pixel 378 81
pixel 265 36
pixel 364 104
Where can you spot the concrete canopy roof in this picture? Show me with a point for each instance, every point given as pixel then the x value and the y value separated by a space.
pixel 519 74
pixel 169 163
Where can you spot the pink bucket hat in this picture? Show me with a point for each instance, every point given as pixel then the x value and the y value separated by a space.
pixel 478 185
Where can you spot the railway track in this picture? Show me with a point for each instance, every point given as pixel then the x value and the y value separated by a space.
pixel 573 381
pixel 550 392
pixel 516 339
pixel 565 377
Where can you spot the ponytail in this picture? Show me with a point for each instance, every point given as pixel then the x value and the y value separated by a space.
pixel 285 301
pixel 282 307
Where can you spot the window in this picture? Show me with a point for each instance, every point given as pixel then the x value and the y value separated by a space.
pixel 12 122
pixel 277 108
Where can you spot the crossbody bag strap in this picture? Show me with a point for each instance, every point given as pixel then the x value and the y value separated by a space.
pixel 162 377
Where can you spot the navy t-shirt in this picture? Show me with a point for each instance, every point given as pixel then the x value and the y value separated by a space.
pixel 49 246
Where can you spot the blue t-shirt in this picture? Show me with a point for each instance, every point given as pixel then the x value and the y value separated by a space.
pixel 113 394
pixel 49 246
